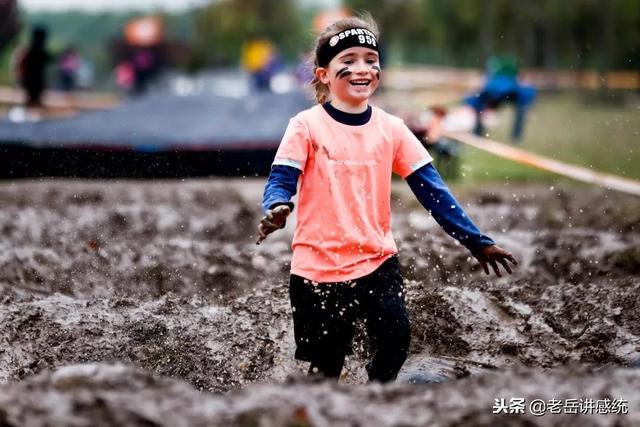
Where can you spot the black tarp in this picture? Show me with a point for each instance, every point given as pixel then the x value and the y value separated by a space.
pixel 159 135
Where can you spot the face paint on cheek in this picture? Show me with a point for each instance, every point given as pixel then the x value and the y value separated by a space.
pixel 377 70
pixel 343 72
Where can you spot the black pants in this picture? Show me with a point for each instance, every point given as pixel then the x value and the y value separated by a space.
pixel 324 316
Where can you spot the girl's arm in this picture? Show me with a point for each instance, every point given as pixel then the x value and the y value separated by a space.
pixel 434 195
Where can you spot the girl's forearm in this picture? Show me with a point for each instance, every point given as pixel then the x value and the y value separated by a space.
pixel 281 187
pixel 434 195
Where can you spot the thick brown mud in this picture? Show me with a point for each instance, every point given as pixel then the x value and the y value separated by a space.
pixel 136 295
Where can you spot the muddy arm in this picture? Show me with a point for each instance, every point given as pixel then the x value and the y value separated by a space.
pixel 434 195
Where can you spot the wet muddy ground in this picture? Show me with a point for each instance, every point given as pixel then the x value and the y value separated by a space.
pixel 120 302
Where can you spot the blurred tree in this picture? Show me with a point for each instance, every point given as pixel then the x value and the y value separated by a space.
pixel 9 22
pixel 577 34
pixel 400 22
pixel 626 43
pixel 596 34
pixel 222 27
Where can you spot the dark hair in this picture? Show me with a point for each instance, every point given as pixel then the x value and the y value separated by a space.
pixel 363 21
pixel 38 36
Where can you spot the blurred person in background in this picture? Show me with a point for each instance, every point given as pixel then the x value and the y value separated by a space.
pixel 124 74
pixel 68 67
pixel 502 86
pixel 31 67
pixel 144 67
pixel 262 61
pixel 444 150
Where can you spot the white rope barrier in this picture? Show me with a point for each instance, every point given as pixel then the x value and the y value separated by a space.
pixel 613 182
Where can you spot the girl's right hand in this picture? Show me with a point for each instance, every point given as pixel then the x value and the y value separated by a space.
pixel 274 219
pixel 492 255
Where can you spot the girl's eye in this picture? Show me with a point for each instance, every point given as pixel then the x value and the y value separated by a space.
pixel 371 61
pixel 348 62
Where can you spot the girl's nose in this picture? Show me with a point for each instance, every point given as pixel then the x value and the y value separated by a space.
pixel 361 67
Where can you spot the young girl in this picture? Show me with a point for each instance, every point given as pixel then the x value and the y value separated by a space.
pixel 344 265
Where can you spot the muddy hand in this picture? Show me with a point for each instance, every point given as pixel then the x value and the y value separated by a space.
pixel 275 219
pixel 492 255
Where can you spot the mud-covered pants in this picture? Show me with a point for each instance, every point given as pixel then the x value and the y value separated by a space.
pixel 324 318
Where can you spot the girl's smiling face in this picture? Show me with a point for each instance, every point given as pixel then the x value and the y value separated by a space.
pixel 352 77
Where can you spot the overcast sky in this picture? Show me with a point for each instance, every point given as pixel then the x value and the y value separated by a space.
pixel 133 4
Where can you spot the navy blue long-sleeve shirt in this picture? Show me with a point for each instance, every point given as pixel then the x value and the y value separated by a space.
pixel 281 187
pixel 434 195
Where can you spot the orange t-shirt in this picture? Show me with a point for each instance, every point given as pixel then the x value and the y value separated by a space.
pixel 343 228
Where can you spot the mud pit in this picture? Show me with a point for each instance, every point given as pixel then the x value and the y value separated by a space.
pixel 111 292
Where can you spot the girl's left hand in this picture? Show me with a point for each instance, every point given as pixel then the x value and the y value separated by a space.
pixel 492 255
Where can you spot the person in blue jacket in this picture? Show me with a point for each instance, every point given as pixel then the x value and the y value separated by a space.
pixel 501 87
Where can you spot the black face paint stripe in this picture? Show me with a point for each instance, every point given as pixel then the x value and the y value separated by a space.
pixel 343 72
pixel 375 67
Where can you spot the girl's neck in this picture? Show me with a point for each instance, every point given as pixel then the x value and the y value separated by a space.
pixel 349 108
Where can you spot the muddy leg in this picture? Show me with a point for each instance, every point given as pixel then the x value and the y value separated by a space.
pixel 323 324
pixel 327 366
pixel 391 346
pixel 387 322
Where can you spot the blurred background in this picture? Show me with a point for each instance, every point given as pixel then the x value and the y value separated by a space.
pixel 197 87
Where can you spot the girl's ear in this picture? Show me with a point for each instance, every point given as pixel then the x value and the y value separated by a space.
pixel 321 75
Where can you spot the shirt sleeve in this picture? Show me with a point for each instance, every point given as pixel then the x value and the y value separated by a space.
pixel 281 187
pixel 294 147
pixel 434 195
pixel 409 153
